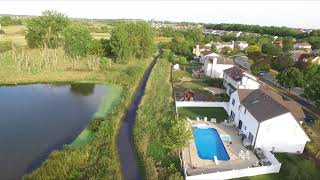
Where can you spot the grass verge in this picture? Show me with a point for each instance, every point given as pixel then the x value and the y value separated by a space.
pixel 158 135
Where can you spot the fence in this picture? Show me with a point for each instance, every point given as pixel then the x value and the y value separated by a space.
pixel 237 173
pixel 224 105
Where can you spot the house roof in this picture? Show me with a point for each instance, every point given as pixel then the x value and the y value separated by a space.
pixel 235 73
pixel 302 44
pixel 224 60
pixel 205 52
pixel 264 104
pixel 238 42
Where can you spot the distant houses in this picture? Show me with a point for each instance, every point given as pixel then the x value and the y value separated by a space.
pixel 267 121
pixel 304 46
pixel 214 65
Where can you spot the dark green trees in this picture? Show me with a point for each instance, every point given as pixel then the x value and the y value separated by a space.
pixel 77 40
pixel 46 30
pixel 132 40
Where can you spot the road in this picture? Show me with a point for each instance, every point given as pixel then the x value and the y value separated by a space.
pixel 128 158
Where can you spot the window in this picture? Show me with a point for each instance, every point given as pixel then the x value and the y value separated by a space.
pixel 232 115
pixel 239 108
pixel 245 111
pixel 250 137
pixel 233 101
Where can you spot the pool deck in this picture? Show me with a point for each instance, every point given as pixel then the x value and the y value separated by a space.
pixel 196 165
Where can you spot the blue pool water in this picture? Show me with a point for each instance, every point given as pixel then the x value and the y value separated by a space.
pixel 209 144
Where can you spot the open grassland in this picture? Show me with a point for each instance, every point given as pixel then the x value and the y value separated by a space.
pixel 93 154
pixel 14 34
pixel 100 35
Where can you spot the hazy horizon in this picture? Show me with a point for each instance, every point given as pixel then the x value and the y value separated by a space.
pixel 265 13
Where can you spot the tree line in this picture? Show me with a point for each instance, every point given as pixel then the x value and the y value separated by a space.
pixel 271 30
pixel 54 29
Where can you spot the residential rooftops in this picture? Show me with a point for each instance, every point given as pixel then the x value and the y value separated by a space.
pixel 235 73
pixel 264 104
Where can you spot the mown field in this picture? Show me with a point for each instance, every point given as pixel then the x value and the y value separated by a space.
pixel 158 135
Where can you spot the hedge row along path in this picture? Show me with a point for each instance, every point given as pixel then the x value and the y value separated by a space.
pixel 128 158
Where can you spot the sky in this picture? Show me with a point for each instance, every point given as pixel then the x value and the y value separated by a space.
pixel 300 14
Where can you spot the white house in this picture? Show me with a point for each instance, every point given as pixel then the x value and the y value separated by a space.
pixel 267 121
pixel 316 60
pixel 235 78
pixel 207 54
pixel 242 45
pixel 302 46
pixel 221 45
pixel 197 49
pixel 214 65
pixel 200 48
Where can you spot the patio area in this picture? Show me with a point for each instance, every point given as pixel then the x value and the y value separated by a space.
pixel 195 165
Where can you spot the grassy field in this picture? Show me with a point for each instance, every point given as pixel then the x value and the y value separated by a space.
pixel 158 134
pixel 14 34
pixel 193 112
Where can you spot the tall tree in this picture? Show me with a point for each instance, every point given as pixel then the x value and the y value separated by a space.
pixel 287 44
pixel 77 40
pixel 290 78
pixel 46 30
pixel 270 49
pixel 194 35
pixel 134 40
pixel 312 90
pixel 253 51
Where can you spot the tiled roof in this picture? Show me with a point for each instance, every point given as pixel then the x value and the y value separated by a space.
pixel 235 73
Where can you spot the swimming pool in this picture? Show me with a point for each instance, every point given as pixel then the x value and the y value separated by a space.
pixel 209 144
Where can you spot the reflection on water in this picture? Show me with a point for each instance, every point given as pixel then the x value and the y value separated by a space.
pixel 83 89
pixel 36 119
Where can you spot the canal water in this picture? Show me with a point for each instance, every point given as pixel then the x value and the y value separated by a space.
pixel 39 118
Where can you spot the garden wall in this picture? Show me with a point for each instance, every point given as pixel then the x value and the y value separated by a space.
pixel 224 105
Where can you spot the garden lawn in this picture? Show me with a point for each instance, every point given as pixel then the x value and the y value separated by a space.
pixel 193 112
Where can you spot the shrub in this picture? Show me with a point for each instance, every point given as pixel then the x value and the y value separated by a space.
pixel 94 124
pixel 96 47
pixel 46 30
pixel 2 31
pixel 183 61
pixel 77 40
pixel 5 46
pixel 260 66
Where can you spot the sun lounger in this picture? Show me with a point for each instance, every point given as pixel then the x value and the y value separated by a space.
pixel 213 120
pixel 205 119
pixel 198 119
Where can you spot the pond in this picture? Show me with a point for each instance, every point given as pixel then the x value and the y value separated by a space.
pixel 39 118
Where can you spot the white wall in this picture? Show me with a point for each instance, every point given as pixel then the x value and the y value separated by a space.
pixel 283 133
pixel 202 104
pixel 249 82
pixel 249 123
pixel 215 70
pixel 237 173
